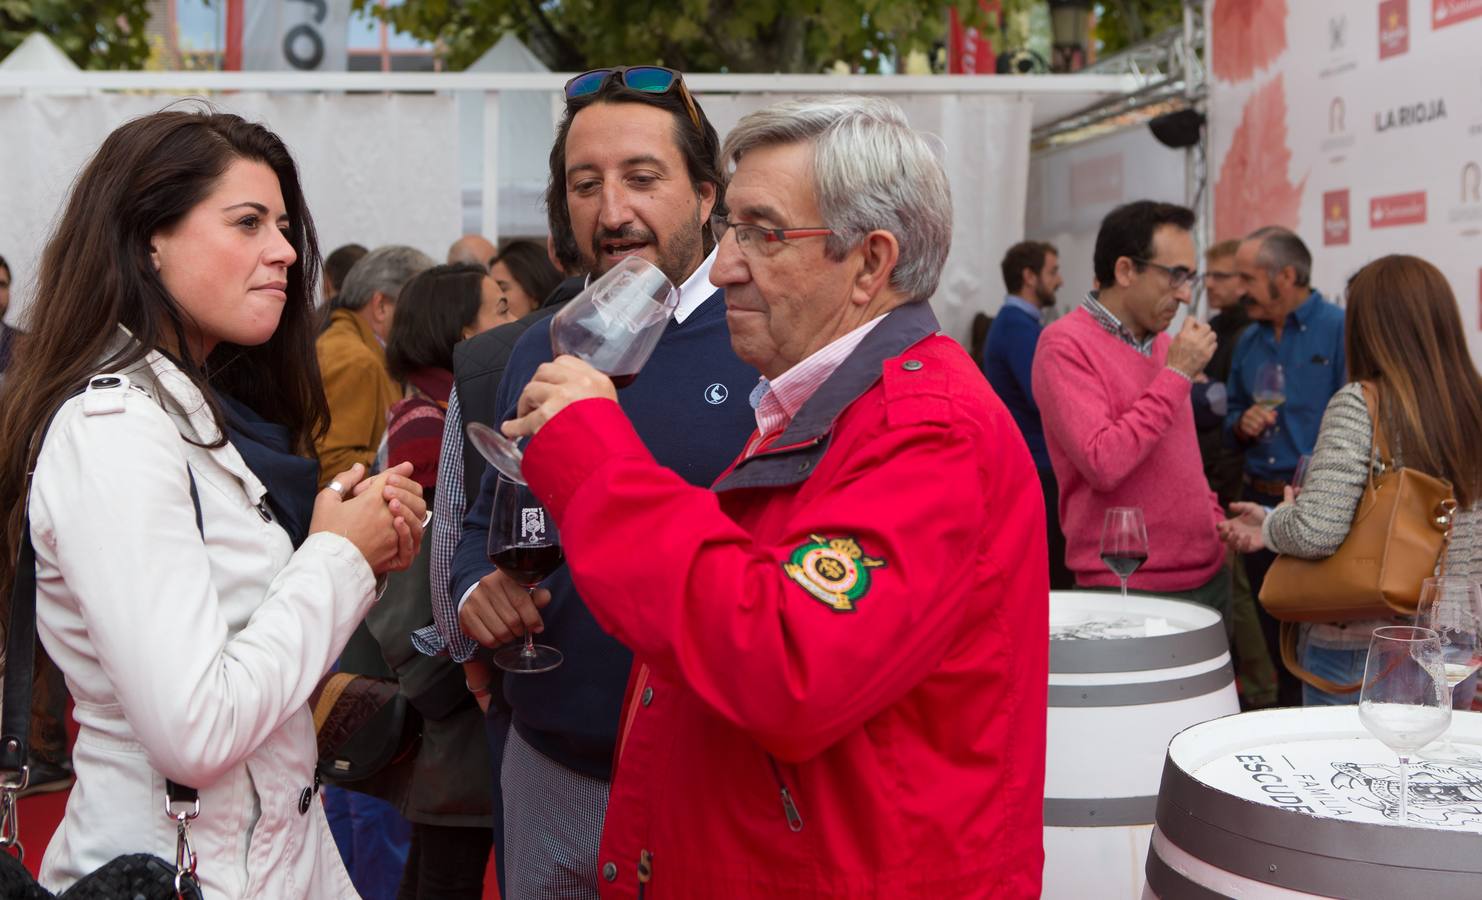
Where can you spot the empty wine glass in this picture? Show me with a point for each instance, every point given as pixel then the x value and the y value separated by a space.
pixel 1269 393
pixel 1124 542
pixel 1299 474
pixel 614 324
pixel 1404 700
pixel 524 545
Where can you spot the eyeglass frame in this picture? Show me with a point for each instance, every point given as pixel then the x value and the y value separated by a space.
pixel 719 225
pixel 620 72
pixel 1175 280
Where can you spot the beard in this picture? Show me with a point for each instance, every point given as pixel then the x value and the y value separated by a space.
pixel 1045 297
pixel 677 256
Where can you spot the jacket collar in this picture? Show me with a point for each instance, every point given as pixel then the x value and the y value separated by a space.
pixel 790 458
pixel 347 320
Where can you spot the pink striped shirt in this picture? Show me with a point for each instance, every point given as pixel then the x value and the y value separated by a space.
pixel 776 402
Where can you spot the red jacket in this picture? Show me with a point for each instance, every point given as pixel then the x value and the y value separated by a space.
pixel 844 647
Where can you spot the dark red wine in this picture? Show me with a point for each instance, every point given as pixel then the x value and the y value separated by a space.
pixel 1124 564
pixel 529 566
pixel 622 381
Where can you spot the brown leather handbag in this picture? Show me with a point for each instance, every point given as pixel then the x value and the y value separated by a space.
pixel 1397 540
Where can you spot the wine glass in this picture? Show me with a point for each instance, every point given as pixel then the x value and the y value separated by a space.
pixel 1404 701
pixel 614 324
pixel 524 545
pixel 1269 392
pixel 1299 474
pixel 1124 542
pixel 1451 606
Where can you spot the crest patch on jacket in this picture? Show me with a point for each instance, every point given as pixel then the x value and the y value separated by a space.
pixel 834 570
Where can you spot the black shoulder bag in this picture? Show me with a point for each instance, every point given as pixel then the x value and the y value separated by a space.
pixel 137 876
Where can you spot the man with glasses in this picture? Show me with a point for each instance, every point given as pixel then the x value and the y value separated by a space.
pixel 635 171
pixel 1114 395
pixel 842 645
pixel 1297 329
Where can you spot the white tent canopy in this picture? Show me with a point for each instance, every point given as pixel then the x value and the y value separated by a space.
pixel 37 53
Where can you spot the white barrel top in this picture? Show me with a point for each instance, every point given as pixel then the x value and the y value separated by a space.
pixel 1306 800
pixel 1102 632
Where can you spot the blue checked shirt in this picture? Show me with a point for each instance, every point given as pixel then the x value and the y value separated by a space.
pixel 1114 326
pixel 444 635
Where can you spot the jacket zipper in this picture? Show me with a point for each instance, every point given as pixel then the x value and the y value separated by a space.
pixel 789 806
pixel 645 871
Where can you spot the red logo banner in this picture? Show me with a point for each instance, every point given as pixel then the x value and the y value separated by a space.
pixel 1394 28
pixel 1336 228
pixel 1397 209
pixel 1452 12
pixel 968 52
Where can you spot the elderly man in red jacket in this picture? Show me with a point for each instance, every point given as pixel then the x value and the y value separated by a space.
pixel 842 647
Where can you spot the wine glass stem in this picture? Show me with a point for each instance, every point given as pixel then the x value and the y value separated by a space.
pixel 1124 586
pixel 1404 789
pixel 529 651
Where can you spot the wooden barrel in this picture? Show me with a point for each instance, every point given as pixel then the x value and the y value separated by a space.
pixel 1304 802
pixel 1125 677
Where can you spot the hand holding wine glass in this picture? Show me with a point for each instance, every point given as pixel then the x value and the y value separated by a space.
pixel 1404 701
pixel 614 325
pixel 1124 542
pixel 1269 393
pixel 524 545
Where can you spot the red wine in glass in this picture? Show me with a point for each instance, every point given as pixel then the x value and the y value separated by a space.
pixel 1123 564
pixel 1124 542
pixel 528 566
pixel 523 544
pixel 622 381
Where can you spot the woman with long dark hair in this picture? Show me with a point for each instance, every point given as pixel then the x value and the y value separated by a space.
pixel 1402 334
pixel 191 585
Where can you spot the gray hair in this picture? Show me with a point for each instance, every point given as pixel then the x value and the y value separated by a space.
pixel 384 270
pixel 870 171
pixel 1280 247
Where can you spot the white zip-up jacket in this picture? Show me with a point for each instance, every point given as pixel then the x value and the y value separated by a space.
pixel 187 659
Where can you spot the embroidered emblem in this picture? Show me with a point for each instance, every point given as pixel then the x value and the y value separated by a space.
pixel 834 570
pixel 716 394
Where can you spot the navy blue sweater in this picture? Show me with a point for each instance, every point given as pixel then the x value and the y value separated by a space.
pixel 1008 357
pixel 689 404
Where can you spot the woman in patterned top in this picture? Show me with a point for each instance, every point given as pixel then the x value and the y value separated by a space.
pixel 1404 335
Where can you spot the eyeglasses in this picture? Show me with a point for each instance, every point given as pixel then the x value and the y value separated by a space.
pixel 754 239
pixel 647 79
pixel 1220 276
pixel 1178 276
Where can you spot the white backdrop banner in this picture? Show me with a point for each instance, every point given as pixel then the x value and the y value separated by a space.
pixel 1358 123
pixel 307 35
pixel 376 169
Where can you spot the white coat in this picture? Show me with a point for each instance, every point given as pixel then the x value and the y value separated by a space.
pixel 186 660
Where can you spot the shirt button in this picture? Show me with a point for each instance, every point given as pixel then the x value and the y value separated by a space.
pixel 305 797
pixel 609 872
pixel 648 696
pixel 911 365
pixel 1270 460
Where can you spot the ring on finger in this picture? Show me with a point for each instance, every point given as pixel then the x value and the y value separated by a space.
pixel 427 519
pixel 337 487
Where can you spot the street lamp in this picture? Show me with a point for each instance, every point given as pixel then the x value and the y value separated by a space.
pixel 1070 25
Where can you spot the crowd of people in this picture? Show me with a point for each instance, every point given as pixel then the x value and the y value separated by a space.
pixel 1131 417
pixel 803 614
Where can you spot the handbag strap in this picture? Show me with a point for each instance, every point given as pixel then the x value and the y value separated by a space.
pixel 1289 659
pixel 15 717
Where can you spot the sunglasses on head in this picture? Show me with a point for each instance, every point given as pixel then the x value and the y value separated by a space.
pixel 648 79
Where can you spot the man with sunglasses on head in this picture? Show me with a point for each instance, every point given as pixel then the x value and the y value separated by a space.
pixel 634 171
pixel 843 644
pixel 1114 395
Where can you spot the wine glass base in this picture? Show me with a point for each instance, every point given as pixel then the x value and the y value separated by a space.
pixel 500 452
pixel 524 660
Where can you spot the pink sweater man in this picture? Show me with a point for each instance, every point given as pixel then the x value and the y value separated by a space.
pixel 1120 431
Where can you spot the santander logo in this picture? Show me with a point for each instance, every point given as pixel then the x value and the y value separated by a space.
pixel 1335 219
pixel 1450 12
pixel 1397 209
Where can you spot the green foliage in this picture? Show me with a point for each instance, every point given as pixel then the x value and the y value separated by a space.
pixel 691 35
pixel 96 34
pixel 1121 23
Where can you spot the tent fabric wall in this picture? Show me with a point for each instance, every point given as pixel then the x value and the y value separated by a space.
pixel 1072 188
pixel 377 169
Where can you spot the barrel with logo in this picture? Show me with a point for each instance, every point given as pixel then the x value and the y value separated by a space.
pixel 1288 803
pixel 1126 675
